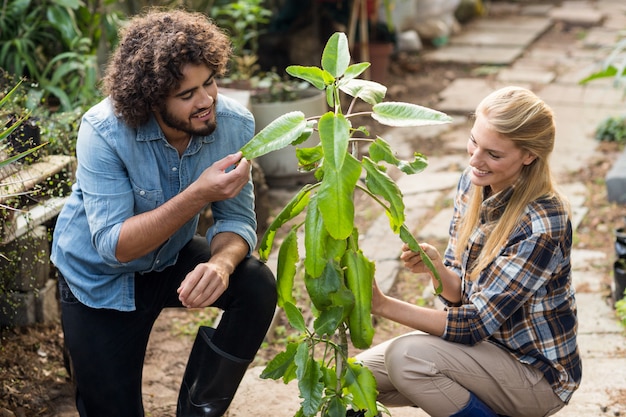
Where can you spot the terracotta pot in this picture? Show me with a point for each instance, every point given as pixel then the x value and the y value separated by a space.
pixel 379 58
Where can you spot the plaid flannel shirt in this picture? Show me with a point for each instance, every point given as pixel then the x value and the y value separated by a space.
pixel 524 300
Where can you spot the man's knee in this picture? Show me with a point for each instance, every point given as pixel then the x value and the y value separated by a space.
pixel 258 282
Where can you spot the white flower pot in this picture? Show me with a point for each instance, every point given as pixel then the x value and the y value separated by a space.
pixel 281 167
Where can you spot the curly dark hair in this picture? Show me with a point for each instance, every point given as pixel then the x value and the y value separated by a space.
pixel 146 66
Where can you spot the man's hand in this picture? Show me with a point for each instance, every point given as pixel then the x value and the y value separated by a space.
pixel 217 184
pixel 203 286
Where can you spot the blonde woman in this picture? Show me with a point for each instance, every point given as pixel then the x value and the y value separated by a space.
pixel 506 342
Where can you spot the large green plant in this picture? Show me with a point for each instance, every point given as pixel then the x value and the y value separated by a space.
pixel 338 277
pixel 54 43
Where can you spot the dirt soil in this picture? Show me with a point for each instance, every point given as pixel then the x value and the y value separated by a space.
pixel 33 377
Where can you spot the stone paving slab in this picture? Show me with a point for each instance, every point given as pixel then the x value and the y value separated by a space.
pixel 595 317
pixel 589 95
pixel 506 24
pixel 526 76
pixel 488 55
pixel 516 37
pixel 462 95
pixel 580 16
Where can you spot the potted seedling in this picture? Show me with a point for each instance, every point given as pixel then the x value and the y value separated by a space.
pixel 337 276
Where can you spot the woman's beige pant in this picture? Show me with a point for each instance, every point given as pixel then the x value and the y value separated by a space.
pixel 418 369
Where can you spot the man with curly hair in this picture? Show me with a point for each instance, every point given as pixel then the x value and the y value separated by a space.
pixel 162 147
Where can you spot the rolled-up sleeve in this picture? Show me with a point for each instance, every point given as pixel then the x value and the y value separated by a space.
pixel 236 215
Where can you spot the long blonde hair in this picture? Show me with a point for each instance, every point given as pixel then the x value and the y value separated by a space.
pixel 519 115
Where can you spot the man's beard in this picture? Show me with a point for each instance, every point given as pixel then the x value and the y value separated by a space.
pixel 186 126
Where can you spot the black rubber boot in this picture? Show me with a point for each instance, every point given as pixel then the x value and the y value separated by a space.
pixel 211 379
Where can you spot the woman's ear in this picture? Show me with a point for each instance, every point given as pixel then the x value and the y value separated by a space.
pixel 529 159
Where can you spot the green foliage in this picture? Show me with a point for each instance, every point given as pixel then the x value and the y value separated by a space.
pixel 612 129
pixel 614 66
pixel 620 309
pixel 7 130
pixel 620 305
pixel 337 275
pixel 54 43
pixel 244 21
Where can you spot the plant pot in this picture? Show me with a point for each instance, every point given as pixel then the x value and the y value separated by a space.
pixel 281 167
pixel 25 137
pixel 379 58
pixel 620 243
pixel 619 280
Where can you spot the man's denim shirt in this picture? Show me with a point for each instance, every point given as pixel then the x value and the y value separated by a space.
pixel 123 172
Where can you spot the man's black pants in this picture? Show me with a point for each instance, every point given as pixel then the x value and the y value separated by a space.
pixel 107 347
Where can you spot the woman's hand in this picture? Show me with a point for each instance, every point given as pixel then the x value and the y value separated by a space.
pixel 413 260
pixel 378 300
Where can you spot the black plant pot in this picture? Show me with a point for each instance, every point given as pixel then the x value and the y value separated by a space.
pixel 25 137
pixel 619 267
pixel 619 279
pixel 620 243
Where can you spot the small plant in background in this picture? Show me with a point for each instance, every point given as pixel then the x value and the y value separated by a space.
pixel 11 127
pixel 244 21
pixel 612 129
pixel 337 276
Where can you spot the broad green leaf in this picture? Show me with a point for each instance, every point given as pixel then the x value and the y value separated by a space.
pixel 334 131
pixel 407 114
pixel 330 379
pixel 336 407
pixel 359 272
pixel 282 365
pixel 309 381
pixel 361 384
pixel 288 258
pixel 309 158
pixel 355 70
pixel 335 198
pixel 292 209
pixel 60 18
pixel 72 4
pixel 295 317
pixel 328 321
pixel 321 288
pixel 343 298
pixel 380 150
pixel 369 91
pixel 607 72
pixel 381 185
pixel 315 235
pixel 407 237
pixel 278 134
pixel 306 133
pixel 314 75
pixel 336 55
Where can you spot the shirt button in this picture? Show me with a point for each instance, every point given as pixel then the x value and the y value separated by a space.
pixel 142 192
pixel 158 261
pixel 174 169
